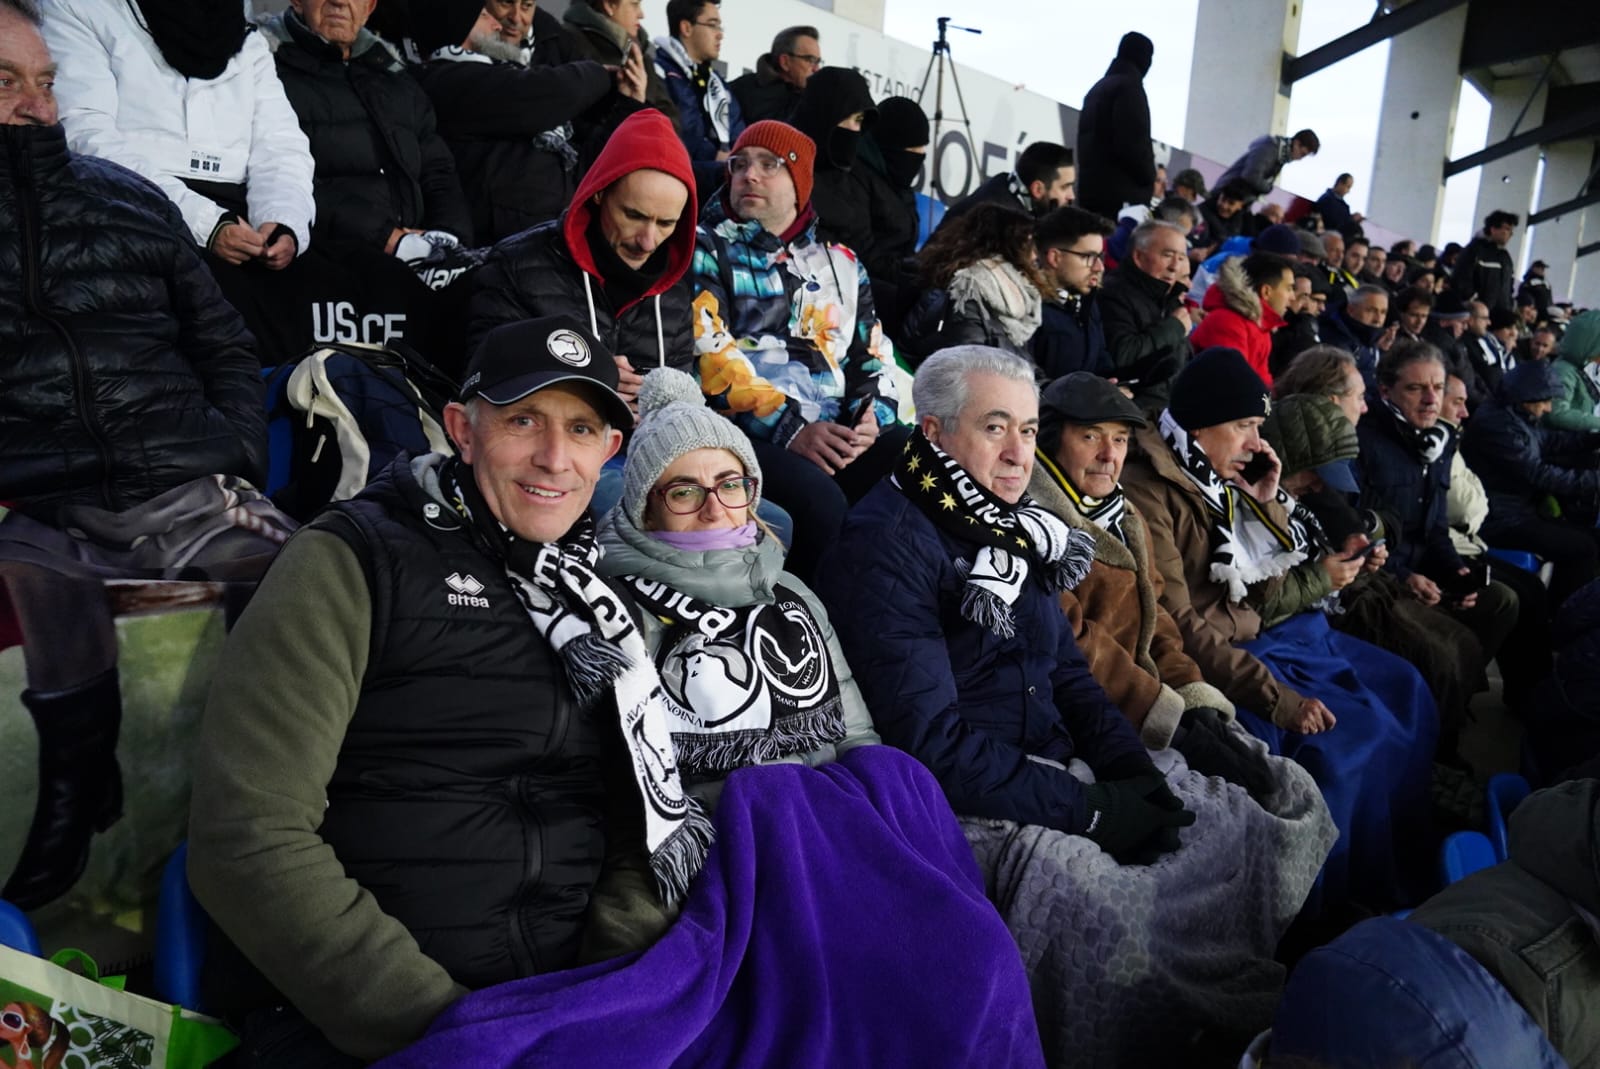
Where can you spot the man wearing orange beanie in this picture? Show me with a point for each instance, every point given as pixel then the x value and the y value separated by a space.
pixel 789 344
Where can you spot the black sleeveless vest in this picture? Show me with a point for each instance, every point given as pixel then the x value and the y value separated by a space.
pixel 468 793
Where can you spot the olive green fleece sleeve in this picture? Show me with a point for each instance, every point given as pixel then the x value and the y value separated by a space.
pixel 282 699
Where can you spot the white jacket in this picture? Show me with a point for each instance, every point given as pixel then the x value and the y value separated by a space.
pixel 121 101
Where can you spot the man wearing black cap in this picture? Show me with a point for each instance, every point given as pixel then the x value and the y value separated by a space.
pixel 400 792
pixel 1448 323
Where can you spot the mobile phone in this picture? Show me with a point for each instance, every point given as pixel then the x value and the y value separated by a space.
pixel 1366 550
pixel 1260 465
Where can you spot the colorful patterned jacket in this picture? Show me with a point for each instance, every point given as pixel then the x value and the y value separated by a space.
pixel 785 331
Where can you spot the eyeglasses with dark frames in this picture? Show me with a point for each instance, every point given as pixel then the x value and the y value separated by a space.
pixel 685 499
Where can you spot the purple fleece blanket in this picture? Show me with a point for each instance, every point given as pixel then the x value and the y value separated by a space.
pixel 840 920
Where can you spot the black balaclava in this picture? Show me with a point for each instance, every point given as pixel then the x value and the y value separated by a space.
pixel 197 38
pixel 902 125
pixel 1137 49
pixel 840 93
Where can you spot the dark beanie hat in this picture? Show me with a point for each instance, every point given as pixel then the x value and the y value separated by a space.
pixel 1501 318
pixel 901 124
pixel 1531 380
pixel 1217 386
pixel 1279 238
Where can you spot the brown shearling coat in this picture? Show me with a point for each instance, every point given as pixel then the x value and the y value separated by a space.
pixel 1179 528
pixel 1131 642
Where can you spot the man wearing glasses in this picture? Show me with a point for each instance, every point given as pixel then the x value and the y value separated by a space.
pixel 772 90
pixel 1071 253
pixel 788 341
pixel 709 118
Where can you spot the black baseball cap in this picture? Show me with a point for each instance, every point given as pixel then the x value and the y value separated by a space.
pixel 1084 398
pixel 517 359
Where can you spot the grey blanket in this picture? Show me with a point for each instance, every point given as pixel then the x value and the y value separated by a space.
pixel 1127 961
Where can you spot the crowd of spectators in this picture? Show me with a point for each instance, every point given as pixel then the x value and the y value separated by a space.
pixel 1144 538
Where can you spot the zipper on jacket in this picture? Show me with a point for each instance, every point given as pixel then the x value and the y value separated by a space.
pixel 33 290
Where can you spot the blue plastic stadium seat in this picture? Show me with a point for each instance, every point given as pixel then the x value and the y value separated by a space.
pixel 1506 792
pixel 1519 557
pixel 16 930
pixel 1463 853
pixel 929 211
pixel 180 935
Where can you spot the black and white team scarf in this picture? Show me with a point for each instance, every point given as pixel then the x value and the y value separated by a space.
pixel 1013 539
pixel 1246 545
pixel 1429 442
pixel 744 684
pixel 717 98
pixel 1106 513
pixel 603 653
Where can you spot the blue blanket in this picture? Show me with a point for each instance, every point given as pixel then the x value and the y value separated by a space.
pixel 840 920
pixel 1373 767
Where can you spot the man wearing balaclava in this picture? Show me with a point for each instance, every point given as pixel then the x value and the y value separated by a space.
pixel 834 109
pixel 1116 163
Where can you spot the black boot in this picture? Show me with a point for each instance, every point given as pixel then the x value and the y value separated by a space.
pixel 80 787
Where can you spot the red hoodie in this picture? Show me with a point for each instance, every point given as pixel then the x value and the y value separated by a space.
pixel 643 141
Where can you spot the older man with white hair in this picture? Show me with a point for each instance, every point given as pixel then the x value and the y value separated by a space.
pixel 944 589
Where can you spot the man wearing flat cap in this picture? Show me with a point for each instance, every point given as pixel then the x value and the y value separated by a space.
pixel 401 789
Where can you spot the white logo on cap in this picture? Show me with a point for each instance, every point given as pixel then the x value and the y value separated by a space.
pixel 569 347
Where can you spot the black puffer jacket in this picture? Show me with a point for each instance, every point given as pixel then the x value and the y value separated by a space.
pixel 1148 346
pixel 492 114
pixel 1410 493
pixel 565 267
pixel 123 372
pixel 381 164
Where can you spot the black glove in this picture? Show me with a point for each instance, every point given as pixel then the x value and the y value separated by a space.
pixel 1212 750
pixel 1135 820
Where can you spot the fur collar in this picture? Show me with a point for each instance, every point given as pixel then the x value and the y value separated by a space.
pixel 1235 288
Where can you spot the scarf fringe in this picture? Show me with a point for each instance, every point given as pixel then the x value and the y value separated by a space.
pixel 717 755
pixel 1075 564
pixel 987 609
pixel 592 665
pixel 677 861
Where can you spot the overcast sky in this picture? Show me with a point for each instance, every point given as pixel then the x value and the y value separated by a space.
pixel 1341 103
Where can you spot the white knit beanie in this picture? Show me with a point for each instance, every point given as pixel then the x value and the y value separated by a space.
pixel 674 420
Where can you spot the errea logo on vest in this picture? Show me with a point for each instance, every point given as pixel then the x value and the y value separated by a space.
pixel 465 590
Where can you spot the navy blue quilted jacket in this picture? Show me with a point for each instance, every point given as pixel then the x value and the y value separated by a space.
pixel 973 707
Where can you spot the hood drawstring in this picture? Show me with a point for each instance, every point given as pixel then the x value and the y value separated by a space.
pixel 661 334
pixel 588 292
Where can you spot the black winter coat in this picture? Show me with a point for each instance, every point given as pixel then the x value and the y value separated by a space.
pixel 490 113
pixel 1116 163
pixel 1410 495
pixel 862 211
pixel 533 274
pixel 1148 346
pixel 381 163
pixel 1519 463
pixel 123 372
pixel 1484 270
pixel 995 189
pixel 763 94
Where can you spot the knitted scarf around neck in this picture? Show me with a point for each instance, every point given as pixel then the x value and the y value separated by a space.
pixel 1429 442
pixel 1106 513
pixel 1005 293
pixel 1014 540
pixel 1247 546
pixel 603 655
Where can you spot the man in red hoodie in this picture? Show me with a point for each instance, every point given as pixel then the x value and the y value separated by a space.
pixel 1245 305
pixel 616 258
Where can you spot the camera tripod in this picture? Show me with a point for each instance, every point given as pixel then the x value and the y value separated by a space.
pixel 941 60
